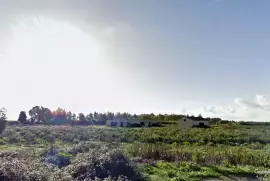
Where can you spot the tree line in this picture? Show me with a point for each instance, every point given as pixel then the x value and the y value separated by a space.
pixel 3 118
pixel 43 115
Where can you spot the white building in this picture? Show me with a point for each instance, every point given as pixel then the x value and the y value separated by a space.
pixel 191 122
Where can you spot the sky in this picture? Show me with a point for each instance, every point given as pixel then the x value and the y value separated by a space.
pixel 206 57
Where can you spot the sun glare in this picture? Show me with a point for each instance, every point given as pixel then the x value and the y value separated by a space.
pixel 51 42
pixel 57 57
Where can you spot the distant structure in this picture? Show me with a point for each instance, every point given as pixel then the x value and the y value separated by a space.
pixel 54 158
pixel 194 122
pixel 129 123
pixel 52 151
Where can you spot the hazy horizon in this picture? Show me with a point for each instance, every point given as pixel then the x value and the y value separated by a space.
pixel 186 57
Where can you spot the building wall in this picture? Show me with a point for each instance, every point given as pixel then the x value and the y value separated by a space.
pixel 125 123
pixel 197 123
pixel 186 123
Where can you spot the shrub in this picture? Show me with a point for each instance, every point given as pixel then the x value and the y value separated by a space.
pixel 85 147
pixel 60 159
pixel 102 163
pixel 212 155
pixel 2 125
pixel 14 138
pixel 20 166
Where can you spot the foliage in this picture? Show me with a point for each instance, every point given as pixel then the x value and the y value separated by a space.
pixel 83 147
pixel 82 119
pixel 3 118
pixel 22 117
pixel 232 135
pixel 43 115
pixel 21 166
pixel 59 116
pixel 61 159
pixel 190 171
pixel 40 114
pixel 63 154
pixel 102 163
pixel 159 153
pixel 96 164
pixel 205 155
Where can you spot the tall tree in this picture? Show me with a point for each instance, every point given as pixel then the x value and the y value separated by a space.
pixel 90 118
pixel 47 116
pixel 3 118
pixel 81 117
pixel 95 116
pixel 110 115
pixel 22 117
pixel 160 117
pixel 135 116
pixel 74 117
pixel 40 114
pixel 60 116
pixel 125 116
pixel 118 116
pixel 102 118
pixel 69 115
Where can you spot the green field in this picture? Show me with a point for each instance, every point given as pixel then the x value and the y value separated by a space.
pixel 222 152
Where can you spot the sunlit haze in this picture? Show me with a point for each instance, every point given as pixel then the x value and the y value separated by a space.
pixel 188 57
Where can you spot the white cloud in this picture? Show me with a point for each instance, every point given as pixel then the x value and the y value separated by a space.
pixel 263 100
pixel 260 102
pixel 219 109
pixel 247 104
pixel 257 109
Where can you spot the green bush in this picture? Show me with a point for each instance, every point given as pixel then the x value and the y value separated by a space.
pixel 2 125
pixel 230 145
pixel 102 163
pixel 21 166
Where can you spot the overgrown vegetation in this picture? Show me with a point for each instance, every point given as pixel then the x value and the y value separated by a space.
pixel 2 120
pixel 223 151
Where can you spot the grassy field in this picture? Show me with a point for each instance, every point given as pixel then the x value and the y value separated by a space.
pixel 223 152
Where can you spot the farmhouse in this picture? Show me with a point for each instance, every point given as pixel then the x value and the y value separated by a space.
pixel 191 122
pixel 129 123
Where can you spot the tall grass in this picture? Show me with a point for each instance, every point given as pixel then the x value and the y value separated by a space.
pixel 225 134
pixel 205 155
pixel 224 145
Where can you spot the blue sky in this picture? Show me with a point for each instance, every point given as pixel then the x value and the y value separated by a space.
pixel 198 57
